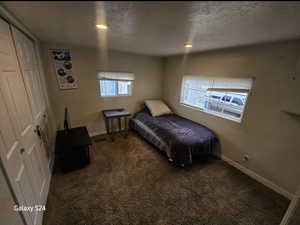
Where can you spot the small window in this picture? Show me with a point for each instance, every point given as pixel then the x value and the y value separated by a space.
pixel 124 87
pixel 108 87
pixel 224 97
pixel 115 84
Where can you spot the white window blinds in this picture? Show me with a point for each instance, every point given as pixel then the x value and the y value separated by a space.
pixel 115 76
pixel 228 83
pixel 231 84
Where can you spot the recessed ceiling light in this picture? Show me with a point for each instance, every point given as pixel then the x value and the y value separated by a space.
pixel 101 26
pixel 188 45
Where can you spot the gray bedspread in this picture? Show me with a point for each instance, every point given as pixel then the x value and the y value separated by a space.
pixel 178 137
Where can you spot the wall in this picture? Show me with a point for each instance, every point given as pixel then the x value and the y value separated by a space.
pixel 85 103
pixel 7 213
pixel 269 136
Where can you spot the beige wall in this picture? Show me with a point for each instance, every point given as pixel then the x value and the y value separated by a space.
pixel 7 214
pixel 84 103
pixel 269 136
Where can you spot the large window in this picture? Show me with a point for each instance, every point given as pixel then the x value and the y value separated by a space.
pixel 224 97
pixel 115 84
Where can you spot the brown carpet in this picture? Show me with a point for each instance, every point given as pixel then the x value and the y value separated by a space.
pixel 129 183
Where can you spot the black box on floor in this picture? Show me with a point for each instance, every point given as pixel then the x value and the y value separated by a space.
pixel 72 148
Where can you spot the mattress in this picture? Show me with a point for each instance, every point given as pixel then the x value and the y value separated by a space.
pixel 178 137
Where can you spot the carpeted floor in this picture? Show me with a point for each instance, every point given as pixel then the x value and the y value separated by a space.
pixel 130 183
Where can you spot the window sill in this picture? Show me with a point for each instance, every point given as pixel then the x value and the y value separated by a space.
pixel 213 113
pixel 115 96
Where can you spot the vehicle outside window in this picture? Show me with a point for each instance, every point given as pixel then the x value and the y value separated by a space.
pixel 231 104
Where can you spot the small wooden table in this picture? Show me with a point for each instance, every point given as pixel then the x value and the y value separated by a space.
pixel 110 115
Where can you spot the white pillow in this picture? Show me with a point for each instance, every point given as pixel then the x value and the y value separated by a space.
pixel 157 107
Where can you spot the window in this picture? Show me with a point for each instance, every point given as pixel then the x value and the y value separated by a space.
pixel 224 97
pixel 108 87
pixel 124 87
pixel 115 84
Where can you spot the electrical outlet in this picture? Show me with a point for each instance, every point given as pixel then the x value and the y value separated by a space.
pixel 246 158
pixel 292 76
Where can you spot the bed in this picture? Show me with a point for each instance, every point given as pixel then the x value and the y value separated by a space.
pixel 181 139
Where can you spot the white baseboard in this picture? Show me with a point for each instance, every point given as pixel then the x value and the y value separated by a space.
pixel 96 133
pixel 52 155
pixel 258 178
pixel 290 212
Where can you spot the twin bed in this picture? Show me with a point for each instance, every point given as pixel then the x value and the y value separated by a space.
pixel 181 139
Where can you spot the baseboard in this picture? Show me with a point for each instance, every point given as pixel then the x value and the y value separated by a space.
pixel 259 178
pixel 51 162
pixel 96 133
pixel 47 186
pixel 291 211
pixel 52 155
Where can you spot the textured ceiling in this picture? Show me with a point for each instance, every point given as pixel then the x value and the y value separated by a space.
pixel 160 28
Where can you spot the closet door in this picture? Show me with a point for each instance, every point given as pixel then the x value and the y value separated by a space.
pixel 29 69
pixel 15 123
pixel 19 145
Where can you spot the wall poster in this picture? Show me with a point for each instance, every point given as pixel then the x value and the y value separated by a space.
pixel 63 66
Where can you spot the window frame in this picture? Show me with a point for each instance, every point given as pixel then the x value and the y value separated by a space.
pixel 217 114
pixel 117 88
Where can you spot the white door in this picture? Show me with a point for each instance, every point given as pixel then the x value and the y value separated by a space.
pixel 19 144
pixel 29 69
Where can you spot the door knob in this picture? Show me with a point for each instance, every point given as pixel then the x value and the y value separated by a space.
pixel 37 130
pixel 22 150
